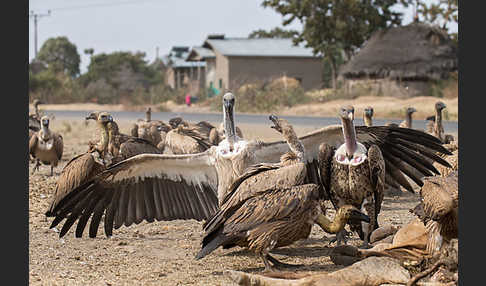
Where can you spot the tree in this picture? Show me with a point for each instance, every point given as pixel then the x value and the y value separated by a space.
pixel 442 13
pixel 60 55
pixel 331 26
pixel 276 32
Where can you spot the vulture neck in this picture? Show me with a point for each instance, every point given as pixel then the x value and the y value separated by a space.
pixel 45 132
pixel 438 122
pixel 229 125
pixel 332 226
pixel 105 137
pixel 408 120
pixel 148 116
pixel 294 143
pixel 349 136
pixel 368 121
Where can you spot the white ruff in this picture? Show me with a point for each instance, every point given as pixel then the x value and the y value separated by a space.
pixel 223 149
pixel 359 155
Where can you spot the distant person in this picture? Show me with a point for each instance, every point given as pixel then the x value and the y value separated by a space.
pixel 188 99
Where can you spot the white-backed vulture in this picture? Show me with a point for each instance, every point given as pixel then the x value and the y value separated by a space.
pixel 269 206
pixel 354 175
pixel 34 118
pixel 123 146
pixel 148 129
pixel 368 116
pixel 407 123
pixel 205 130
pixel 435 127
pixel 83 167
pixel 185 140
pixel 46 146
pixel 165 187
pixel 439 210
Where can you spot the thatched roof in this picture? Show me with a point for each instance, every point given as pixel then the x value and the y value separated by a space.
pixel 414 52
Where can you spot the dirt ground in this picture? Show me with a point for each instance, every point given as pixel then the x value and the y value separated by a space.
pixel 159 253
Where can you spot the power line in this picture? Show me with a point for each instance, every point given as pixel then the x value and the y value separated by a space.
pixel 100 5
pixel 36 17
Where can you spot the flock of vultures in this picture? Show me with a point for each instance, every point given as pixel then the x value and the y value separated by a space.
pixel 264 195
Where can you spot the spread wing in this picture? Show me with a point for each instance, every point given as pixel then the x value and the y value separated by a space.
pixel 147 186
pixel 76 172
pixel 405 151
pixel 377 174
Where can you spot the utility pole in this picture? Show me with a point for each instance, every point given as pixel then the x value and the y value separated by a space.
pixel 36 17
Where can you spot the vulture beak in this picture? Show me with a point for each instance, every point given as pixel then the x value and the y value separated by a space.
pixel 359 216
pixel 276 125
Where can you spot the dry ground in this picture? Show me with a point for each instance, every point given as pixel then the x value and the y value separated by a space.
pixel 159 253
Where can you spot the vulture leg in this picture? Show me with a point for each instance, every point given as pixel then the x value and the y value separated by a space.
pixel 368 208
pixel 268 267
pixel 341 236
pixel 280 264
pixel 36 166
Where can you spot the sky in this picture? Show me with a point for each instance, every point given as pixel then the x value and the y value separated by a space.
pixel 143 25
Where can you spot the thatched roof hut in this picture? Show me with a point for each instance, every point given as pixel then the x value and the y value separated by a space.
pixel 417 51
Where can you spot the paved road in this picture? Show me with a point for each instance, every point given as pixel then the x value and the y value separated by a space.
pixel 449 126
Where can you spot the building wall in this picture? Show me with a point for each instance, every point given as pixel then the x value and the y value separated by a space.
pixel 243 70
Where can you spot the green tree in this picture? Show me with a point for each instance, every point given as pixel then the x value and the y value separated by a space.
pixel 276 32
pixel 60 55
pixel 331 26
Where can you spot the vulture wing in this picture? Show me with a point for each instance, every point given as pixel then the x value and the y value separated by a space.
pixel 146 186
pixel 405 151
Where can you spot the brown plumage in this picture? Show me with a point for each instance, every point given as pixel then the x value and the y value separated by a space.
pixel 123 146
pixel 148 129
pixel 34 119
pixel 85 166
pixel 190 186
pixel 439 210
pixel 354 175
pixel 407 123
pixel 185 140
pixel 368 116
pixel 46 146
pixel 437 127
pixel 269 206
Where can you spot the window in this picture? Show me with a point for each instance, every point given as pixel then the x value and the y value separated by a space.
pixel 220 83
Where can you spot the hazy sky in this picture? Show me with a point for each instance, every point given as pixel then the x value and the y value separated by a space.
pixel 142 25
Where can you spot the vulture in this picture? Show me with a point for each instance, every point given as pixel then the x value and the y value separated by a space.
pixel 269 206
pixel 368 116
pixel 192 186
pixel 407 123
pixel 83 167
pixel 435 127
pixel 34 118
pixel 439 210
pixel 148 129
pixel 123 146
pixel 354 174
pixel 46 146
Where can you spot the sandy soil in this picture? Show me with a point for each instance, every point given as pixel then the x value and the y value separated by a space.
pixel 159 253
pixel 384 107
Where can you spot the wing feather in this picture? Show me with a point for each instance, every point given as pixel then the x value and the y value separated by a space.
pixel 146 186
pixel 388 138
